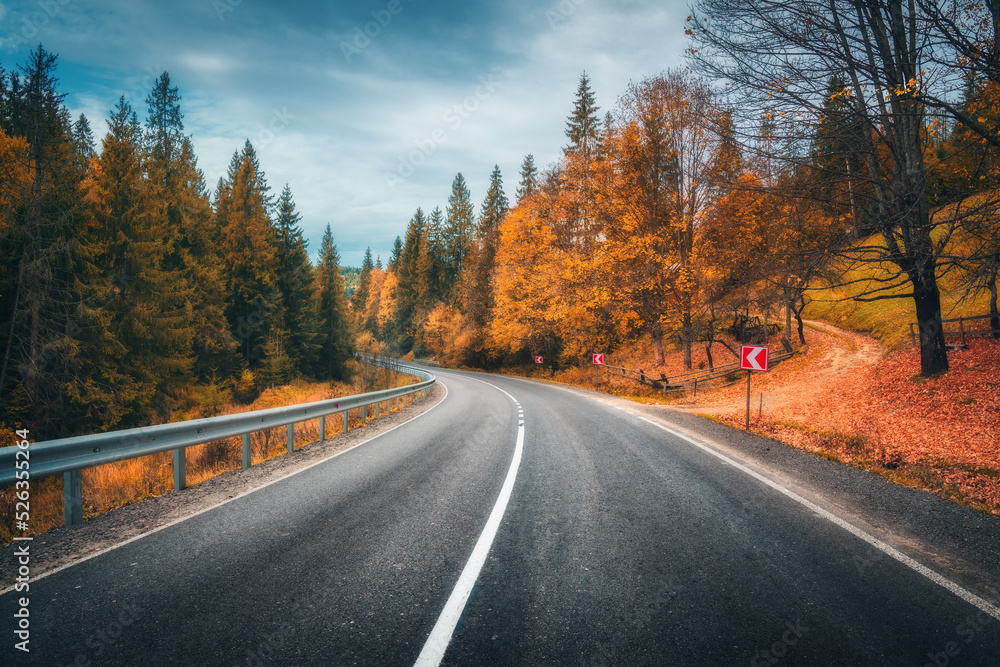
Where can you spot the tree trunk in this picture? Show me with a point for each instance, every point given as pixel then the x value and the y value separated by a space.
pixel 798 319
pixel 788 314
pixel 686 332
pixel 927 298
pixel 708 354
pixel 994 313
pixel 656 331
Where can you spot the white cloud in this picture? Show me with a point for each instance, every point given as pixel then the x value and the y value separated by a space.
pixel 352 122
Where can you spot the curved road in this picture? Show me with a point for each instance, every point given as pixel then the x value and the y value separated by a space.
pixel 624 541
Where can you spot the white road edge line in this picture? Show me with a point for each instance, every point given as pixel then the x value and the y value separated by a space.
pixel 888 550
pixel 227 500
pixel 970 597
pixel 437 642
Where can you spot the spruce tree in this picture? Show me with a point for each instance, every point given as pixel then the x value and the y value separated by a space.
pixel 583 125
pixel 406 283
pixel 40 288
pixel 83 140
pixel 335 329
pixel 459 230
pixel 397 250
pixel 479 292
pixel 296 319
pixel 529 178
pixel 360 296
pixel 248 251
pixel 172 169
pixel 430 263
pixel 142 296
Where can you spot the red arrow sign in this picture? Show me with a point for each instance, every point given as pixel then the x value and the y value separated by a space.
pixel 599 359
pixel 538 360
pixel 753 358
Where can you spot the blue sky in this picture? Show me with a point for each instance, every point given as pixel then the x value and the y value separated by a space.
pixel 366 109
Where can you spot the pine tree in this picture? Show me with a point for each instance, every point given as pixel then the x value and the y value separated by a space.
pixel 164 128
pixel 430 262
pixel 478 291
pixel 191 229
pixel 459 230
pixel 407 288
pixel 335 330
pixel 397 250
pixel 142 298
pixel 39 284
pixel 529 178
pixel 247 245
pixel 583 125
pixel 296 317
pixel 360 296
pixel 83 141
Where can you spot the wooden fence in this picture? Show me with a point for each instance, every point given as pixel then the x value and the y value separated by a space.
pixel 693 379
pixel 962 331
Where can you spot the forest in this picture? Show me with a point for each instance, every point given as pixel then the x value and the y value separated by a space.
pixel 127 288
pixel 803 141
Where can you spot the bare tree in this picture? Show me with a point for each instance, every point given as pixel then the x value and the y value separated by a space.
pixel 780 56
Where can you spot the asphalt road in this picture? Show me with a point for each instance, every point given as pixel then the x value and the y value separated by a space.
pixel 622 543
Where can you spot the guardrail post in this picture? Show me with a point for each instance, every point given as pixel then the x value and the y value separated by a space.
pixel 72 497
pixel 291 438
pixel 179 477
pixel 246 451
pixel 378 407
pixel 364 416
pixel 322 428
pixel 345 420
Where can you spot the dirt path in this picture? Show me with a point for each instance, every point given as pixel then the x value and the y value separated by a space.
pixel 837 359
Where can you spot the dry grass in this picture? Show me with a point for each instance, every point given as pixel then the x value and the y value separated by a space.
pixel 118 484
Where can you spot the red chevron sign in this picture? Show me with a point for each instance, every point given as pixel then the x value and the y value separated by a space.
pixel 753 358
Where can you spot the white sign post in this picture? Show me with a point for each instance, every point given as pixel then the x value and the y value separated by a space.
pixel 752 358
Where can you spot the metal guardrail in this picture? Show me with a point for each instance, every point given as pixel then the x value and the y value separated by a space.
pixel 70 455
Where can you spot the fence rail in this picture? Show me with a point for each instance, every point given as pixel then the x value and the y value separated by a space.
pixel 962 331
pixel 679 382
pixel 70 456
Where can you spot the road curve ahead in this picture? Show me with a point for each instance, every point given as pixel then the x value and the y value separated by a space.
pixel 518 523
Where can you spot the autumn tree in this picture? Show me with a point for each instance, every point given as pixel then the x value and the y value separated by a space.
pixel 669 154
pixel 781 56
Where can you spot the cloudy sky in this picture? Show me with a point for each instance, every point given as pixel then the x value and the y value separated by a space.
pixel 366 109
